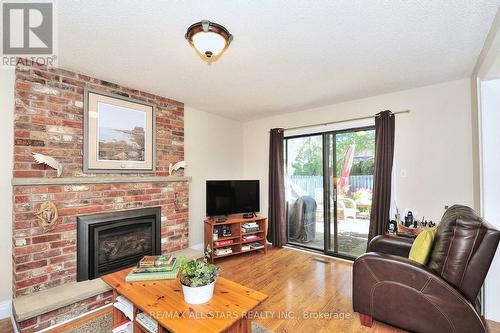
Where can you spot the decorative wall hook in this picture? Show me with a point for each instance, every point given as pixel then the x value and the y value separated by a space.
pixel 176 166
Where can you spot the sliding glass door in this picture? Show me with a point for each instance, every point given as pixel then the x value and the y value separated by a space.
pixel 329 181
pixel 305 191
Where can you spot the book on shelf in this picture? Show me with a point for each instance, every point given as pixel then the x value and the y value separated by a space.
pixel 223 251
pixel 256 245
pixel 125 306
pixel 147 322
pixel 156 269
pixel 250 237
pixel 155 261
pixel 245 247
pixel 224 242
pixel 250 229
pixel 123 327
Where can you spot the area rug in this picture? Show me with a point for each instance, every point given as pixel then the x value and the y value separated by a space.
pixel 97 325
pixel 103 324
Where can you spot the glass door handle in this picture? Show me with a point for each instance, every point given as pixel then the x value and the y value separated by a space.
pixel 334 189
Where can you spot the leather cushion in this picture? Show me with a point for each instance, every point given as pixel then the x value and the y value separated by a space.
pixel 399 246
pixel 459 234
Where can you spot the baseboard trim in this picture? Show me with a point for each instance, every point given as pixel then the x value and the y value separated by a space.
pixel 318 254
pixel 14 324
pixel 6 309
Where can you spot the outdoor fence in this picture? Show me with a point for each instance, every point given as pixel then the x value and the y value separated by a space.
pixel 358 182
pixel 310 183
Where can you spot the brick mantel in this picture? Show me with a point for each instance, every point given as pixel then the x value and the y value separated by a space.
pixel 95 180
pixel 49 120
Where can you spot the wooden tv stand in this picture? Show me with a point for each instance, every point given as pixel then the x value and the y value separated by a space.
pixel 235 222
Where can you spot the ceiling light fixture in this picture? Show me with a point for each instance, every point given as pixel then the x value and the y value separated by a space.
pixel 209 40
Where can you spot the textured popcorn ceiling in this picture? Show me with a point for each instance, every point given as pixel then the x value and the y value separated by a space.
pixel 286 55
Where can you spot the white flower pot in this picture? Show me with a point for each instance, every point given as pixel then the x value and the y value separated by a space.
pixel 198 295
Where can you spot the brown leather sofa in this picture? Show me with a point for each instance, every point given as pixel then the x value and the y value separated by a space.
pixel 439 297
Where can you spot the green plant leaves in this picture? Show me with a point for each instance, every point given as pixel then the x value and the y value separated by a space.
pixel 198 273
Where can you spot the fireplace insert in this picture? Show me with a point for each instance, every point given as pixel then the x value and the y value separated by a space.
pixel 109 242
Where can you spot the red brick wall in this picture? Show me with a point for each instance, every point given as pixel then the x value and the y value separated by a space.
pixel 49 120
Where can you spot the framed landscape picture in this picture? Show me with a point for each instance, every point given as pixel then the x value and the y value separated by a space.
pixel 119 134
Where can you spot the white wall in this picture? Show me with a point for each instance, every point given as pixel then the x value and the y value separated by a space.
pixel 6 152
pixel 490 120
pixel 213 150
pixel 433 143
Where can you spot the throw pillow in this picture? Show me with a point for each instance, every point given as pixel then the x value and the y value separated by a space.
pixel 422 246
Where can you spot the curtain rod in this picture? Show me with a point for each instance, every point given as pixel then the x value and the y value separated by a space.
pixel 340 121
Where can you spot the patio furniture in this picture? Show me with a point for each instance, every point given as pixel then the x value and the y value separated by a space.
pixel 303 219
pixel 363 205
pixel 345 211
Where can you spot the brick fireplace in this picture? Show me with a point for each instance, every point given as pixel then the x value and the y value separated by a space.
pixel 49 120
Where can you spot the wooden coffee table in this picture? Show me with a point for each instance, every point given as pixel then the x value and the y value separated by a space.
pixel 228 311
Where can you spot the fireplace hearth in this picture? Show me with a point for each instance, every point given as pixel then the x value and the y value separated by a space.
pixel 112 241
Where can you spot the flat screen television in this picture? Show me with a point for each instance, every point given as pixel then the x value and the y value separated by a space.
pixel 225 197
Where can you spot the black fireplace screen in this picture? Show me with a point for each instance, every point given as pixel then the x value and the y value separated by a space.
pixel 113 241
pixel 115 244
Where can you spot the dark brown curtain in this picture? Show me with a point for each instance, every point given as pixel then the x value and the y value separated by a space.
pixel 276 228
pixel 384 155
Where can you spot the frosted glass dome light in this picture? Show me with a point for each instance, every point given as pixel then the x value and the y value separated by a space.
pixel 209 40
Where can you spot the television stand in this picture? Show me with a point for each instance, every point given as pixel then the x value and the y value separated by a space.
pixel 246 235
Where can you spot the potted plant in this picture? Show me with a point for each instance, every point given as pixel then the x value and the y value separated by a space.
pixel 198 279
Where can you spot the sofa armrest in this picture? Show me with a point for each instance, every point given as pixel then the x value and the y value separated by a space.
pixel 407 294
pixel 399 246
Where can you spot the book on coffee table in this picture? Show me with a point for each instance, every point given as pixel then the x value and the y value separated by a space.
pixel 155 269
pixel 155 261
pixel 167 275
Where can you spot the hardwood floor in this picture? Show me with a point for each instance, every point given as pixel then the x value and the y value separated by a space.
pixel 494 326
pixel 6 326
pixel 299 284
